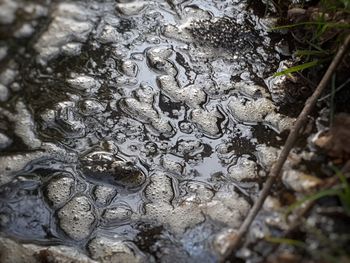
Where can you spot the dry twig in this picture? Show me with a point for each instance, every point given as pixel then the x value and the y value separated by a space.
pixel 292 137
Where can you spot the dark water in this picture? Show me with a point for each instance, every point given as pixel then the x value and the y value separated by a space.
pixel 145 122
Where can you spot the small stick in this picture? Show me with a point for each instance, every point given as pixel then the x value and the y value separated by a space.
pixel 292 137
pixel 305 210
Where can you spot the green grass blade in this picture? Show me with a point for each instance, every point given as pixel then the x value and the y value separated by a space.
pixel 298 68
pixel 286 241
pixel 318 195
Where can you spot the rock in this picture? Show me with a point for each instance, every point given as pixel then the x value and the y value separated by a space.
pixel 3 52
pixel 109 34
pixel 227 207
pixel 4 93
pixel 77 218
pixel 11 251
pixel 197 192
pixel 223 240
pixel 299 181
pixel 5 141
pixel 8 10
pixel 65 120
pixel 266 155
pixel 279 122
pixel 25 31
pixel 272 204
pixel 24 126
pixel 178 217
pixel 59 189
pixel 72 49
pixel 9 74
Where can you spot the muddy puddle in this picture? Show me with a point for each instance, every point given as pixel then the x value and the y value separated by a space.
pixel 135 131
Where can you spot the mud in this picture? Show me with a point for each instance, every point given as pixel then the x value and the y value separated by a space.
pixel 135 131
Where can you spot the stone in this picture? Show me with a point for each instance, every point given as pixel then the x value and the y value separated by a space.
pixel 299 181
pixel 5 141
pixel 4 93
pixel 8 10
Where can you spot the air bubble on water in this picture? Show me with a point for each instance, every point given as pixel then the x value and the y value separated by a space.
pixel 59 189
pixel 244 169
pixel 77 218
pixel 117 214
pixel 160 189
pixel 208 121
pixel 103 194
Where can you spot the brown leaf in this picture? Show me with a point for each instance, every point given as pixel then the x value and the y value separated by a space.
pixel 336 141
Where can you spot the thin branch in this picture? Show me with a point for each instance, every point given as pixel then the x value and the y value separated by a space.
pixel 299 219
pixel 292 137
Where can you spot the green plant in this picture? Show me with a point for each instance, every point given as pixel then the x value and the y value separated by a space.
pixel 322 30
pixel 342 191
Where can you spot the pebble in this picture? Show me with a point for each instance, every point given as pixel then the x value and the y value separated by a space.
pixel 299 181
pixel 8 10
pixel 5 141
pixel 4 93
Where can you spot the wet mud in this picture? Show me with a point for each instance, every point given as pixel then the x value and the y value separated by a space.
pixel 135 131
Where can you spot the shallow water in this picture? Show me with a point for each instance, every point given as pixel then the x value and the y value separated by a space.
pixel 144 123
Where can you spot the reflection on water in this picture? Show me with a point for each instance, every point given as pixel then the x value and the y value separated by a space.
pixel 136 130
